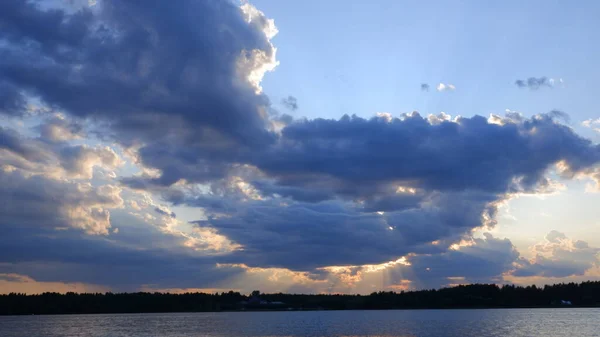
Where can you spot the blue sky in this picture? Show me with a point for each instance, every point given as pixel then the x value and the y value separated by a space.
pixel 359 57
pixel 149 148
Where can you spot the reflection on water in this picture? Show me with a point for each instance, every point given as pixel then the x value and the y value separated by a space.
pixel 393 323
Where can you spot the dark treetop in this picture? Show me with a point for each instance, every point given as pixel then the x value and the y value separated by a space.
pixel 467 296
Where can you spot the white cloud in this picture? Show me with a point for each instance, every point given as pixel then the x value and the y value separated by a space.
pixel 593 124
pixel 445 87
pixel 80 161
pixel 254 64
pixel 558 256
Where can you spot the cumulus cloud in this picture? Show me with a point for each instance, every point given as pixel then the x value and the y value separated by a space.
pixel 306 236
pixel 290 102
pixel 594 175
pixel 176 86
pixel 81 160
pixel 476 260
pixel 535 83
pixel 468 153
pixel 482 260
pixel 593 124
pixel 559 256
pixel 57 160
pixel 329 185
pixel 45 185
pixel 60 129
pixel 33 201
pixel 445 87
pixel 133 75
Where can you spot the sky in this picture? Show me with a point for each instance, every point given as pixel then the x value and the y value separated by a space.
pixel 305 147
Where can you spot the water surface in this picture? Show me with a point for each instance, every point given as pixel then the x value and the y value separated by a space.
pixel 393 323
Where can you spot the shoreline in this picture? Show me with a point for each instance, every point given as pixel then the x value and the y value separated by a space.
pixel 300 310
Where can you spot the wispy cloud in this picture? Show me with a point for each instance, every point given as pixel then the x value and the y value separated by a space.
pixel 439 87
pixel 535 83
pixel 290 102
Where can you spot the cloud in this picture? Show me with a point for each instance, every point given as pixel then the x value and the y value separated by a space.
pixel 593 124
pixel 283 233
pixel 484 260
pixel 141 253
pixel 146 73
pixel 164 211
pixel 594 175
pixel 445 87
pixel 79 161
pixel 329 185
pixel 33 201
pixel 60 129
pixel 559 256
pixel 304 236
pixel 290 102
pixel 356 157
pixel 18 150
pixel 15 283
pixel 45 185
pixel 57 160
pixel 535 83
pixel 169 99
pixel 477 260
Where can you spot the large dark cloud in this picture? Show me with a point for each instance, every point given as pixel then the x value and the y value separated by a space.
pixel 148 72
pixel 384 187
pixel 123 263
pixel 177 84
pixel 304 236
pixel 471 153
pixel 481 260
pixel 172 76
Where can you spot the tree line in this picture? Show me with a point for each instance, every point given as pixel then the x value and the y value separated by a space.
pixel 586 294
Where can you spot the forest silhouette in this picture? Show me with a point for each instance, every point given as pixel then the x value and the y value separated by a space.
pixel 586 294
